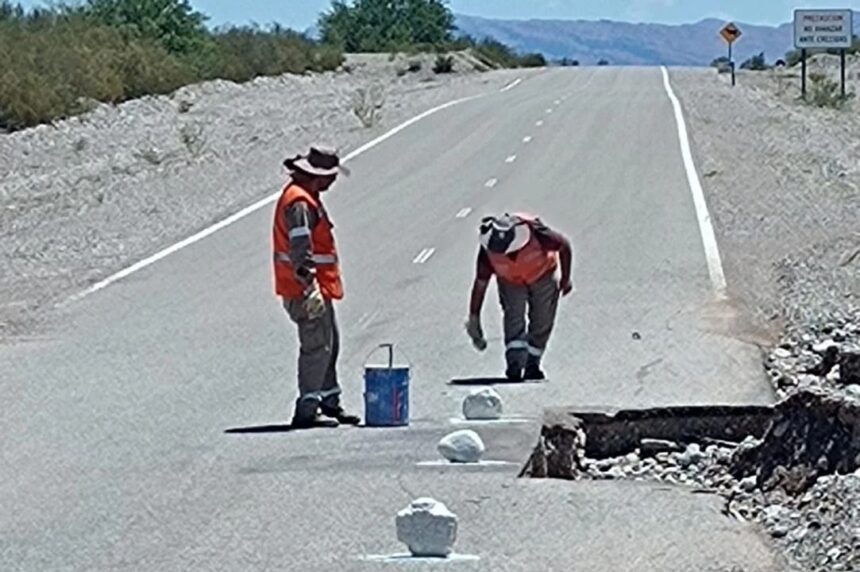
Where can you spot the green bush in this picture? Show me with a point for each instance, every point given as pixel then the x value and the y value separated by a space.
pixel 386 25
pixel 47 71
pixel 54 62
pixel 172 23
pixel 444 64
pixel 532 61
pixel 245 53
pixel 755 63
pixel 495 53
pixel 824 92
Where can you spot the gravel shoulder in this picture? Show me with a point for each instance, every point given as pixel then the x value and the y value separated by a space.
pixel 783 184
pixel 87 196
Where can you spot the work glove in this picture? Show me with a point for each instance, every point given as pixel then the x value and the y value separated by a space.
pixel 314 303
pixel 476 333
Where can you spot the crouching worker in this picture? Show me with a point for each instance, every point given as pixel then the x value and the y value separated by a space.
pixel 524 255
pixel 307 278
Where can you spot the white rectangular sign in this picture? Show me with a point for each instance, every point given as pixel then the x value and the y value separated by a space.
pixel 823 29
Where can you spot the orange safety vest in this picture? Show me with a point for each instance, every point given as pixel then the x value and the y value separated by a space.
pixel 324 250
pixel 527 265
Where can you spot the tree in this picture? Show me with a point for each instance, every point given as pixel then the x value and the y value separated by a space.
pixel 535 60
pixel 11 12
pixel 173 23
pixel 603 62
pixel 720 62
pixel 386 25
pixel 567 62
pixel 755 63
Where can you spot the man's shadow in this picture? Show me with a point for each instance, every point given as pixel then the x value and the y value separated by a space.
pixel 484 381
pixel 261 429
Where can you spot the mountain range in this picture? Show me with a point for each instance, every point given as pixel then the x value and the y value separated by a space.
pixel 623 43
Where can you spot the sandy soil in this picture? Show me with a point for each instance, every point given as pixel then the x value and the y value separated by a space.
pixel 783 185
pixel 85 197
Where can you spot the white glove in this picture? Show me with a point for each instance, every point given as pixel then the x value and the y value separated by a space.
pixel 314 303
pixel 476 333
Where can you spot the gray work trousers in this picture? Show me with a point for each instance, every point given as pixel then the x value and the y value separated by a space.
pixel 319 345
pixel 526 343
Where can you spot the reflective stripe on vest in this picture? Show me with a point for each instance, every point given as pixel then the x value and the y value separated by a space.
pixel 324 252
pixel 321 259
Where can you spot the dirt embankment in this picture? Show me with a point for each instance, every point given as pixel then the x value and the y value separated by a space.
pixel 783 184
pixel 87 196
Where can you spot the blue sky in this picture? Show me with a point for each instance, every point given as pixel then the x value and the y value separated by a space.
pixel 301 14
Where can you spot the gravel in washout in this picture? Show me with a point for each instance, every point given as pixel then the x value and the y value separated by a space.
pixel 810 507
pixel 782 181
pixel 86 196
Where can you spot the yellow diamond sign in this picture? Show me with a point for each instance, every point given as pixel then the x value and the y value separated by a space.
pixel 730 33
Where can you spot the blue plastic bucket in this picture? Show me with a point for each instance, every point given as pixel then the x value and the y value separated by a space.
pixel 386 394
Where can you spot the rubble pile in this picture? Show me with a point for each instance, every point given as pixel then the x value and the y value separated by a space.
pixel 826 357
pixel 800 480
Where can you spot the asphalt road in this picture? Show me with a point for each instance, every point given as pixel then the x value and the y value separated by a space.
pixel 114 451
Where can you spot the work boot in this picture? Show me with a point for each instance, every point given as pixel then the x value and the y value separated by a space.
pixel 315 422
pixel 307 416
pixel 341 415
pixel 514 373
pixel 534 373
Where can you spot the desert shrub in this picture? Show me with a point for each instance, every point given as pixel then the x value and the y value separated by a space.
pixel 444 64
pixel 55 62
pixel 824 92
pixel 532 61
pixel 367 104
pixel 755 63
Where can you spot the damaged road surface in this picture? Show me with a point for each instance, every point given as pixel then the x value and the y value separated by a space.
pixel 114 425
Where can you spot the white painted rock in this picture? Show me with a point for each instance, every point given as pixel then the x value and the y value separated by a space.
pixel 483 404
pixel 462 447
pixel 428 528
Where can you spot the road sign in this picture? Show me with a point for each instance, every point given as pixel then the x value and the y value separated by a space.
pixel 730 33
pixel 823 29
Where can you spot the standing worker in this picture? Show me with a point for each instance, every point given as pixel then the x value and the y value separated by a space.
pixel 524 255
pixel 307 278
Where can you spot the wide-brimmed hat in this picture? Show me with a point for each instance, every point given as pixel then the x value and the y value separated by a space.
pixel 319 161
pixel 505 234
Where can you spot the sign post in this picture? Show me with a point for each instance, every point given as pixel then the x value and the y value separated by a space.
pixel 823 30
pixel 730 34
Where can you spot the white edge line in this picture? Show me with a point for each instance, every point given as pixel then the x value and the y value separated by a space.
pixel 464 212
pixel 491 183
pixel 512 85
pixel 706 227
pixel 137 266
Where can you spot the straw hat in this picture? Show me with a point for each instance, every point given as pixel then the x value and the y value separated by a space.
pixel 505 234
pixel 319 161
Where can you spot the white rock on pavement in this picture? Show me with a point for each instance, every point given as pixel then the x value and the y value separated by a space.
pixel 483 404
pixel 428 528
pixel 462 447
